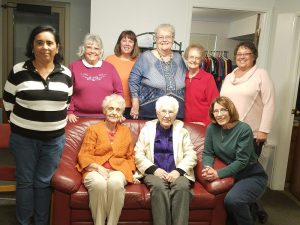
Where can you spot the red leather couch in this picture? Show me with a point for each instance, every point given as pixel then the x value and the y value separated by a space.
pixel 70 198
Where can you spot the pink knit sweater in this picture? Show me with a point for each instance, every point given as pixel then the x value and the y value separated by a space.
pixel 253 96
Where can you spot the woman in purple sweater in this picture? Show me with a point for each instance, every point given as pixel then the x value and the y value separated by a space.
pixel 93 80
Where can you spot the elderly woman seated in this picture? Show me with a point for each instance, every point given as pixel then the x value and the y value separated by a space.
pixel 107 163
pixel 165 158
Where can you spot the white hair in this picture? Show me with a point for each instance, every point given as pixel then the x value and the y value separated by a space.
pixel 88 39
pixel 166 100
pixel 114 98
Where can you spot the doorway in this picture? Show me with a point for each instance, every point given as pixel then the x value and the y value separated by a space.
pixel 20 17
pixel 218 29
pixel 292 182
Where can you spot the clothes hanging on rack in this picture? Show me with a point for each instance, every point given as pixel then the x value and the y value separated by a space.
pixel 217 63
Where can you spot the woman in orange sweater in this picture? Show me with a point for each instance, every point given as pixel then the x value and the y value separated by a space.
pixel 126 53
pixel 106 160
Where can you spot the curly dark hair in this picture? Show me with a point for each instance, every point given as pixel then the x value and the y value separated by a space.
pixel 250 45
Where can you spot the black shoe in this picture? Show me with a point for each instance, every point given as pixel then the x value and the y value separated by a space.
pixel 262 216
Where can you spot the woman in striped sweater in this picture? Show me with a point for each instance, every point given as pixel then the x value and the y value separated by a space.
pixel 36 96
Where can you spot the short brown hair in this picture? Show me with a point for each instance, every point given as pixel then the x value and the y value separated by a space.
pixel 196 46
pixel 228 104
pixel 131 35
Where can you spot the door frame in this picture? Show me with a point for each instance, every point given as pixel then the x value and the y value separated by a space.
pixel 63 8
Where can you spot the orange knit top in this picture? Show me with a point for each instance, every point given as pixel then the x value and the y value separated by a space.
pixel 123 68
pixel 97 148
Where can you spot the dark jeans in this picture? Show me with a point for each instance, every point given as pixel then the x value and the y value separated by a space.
pixel 258 147
pixel 250 184
pixel 36 162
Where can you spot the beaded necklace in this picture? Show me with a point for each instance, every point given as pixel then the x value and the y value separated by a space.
pixel 168 73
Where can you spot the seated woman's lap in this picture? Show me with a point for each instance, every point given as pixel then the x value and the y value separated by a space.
pixel 95 180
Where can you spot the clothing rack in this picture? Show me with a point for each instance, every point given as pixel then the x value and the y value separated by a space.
pixel 217 53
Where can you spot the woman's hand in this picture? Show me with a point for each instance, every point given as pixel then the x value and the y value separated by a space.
pixel 72 118
pixel 162 174
pixel 261 136
pixel 103 172
pixel 171 177
pixel 134 112
pixel 136 181
pixel 209 173
pixel 98 168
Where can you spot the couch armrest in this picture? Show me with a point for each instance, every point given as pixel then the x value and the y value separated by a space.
pixel 217 186
pixel 66 178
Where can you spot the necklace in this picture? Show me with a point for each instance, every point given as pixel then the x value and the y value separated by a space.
pixel 162 58
pixel 222 135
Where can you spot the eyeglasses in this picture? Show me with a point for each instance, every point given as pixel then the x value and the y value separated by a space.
pixel 165 112
pixel 221 111
pixel 243 54
pixel 91 48
pixel 194 58
pixel 161 38
pixel 111 109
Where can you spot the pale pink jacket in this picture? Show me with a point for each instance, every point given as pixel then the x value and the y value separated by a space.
pixel 253 96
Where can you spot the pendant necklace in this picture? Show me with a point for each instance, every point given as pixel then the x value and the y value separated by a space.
pixel 222 135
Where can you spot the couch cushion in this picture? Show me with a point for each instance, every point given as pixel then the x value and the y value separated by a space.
pixel 201 198
pixel 134 197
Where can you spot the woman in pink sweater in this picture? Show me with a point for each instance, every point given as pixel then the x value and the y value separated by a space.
pixel 252 91
pixel 93 80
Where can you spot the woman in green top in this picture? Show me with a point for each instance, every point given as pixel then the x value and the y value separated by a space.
pixel 232 141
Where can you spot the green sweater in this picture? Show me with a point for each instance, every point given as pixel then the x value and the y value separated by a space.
pixel 234 146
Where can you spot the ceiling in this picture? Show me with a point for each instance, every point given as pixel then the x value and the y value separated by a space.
pixel 219 15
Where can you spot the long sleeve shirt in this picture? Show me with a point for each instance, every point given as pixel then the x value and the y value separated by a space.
pixel 234 146
pixel 97 148
pixel 91 86
pixel 150 79
pixel 37 108
pixel 200 91
pixel 253 96
pixel 123 68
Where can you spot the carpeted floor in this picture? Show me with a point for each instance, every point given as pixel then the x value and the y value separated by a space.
pixel 282 207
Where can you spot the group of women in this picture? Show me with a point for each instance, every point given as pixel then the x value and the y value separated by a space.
pixel 155 85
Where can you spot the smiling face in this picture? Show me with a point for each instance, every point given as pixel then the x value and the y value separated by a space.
pixel 244 58
pixel 92 53
pixel 221 114
pixel 164 40
pixel 113 112
pixel 194 59
pixel 166 116
pixel 126 45
pixel 45 47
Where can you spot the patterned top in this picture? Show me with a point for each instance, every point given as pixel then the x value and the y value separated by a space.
pixel 151 78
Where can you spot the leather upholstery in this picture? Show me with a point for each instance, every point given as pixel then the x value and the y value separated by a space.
pixel 70 198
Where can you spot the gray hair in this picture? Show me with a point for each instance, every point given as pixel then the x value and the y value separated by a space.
pixel 90 38
pixel 167 100
pixel 165 26
pixel 114 98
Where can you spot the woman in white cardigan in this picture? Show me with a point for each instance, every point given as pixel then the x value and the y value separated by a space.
pixel 165 157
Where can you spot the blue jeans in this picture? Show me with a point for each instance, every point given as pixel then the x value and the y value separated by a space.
pixel 36 162
pixel 249 186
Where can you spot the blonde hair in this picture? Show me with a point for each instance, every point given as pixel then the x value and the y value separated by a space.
pixel 90 38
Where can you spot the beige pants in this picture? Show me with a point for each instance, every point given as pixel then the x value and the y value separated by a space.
pixel 106 196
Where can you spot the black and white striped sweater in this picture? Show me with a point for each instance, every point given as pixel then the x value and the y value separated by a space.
pixel 37 108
